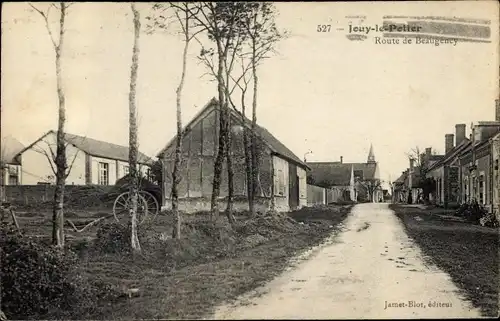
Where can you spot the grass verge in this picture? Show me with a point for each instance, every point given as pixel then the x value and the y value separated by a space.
pixel 212 264
pixel 468 253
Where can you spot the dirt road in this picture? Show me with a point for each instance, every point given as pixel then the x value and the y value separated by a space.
pixel 370 270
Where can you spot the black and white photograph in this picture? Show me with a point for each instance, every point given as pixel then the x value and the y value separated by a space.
pixel 250 160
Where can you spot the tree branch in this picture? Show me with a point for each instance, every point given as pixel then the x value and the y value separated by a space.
pixel 71 165
pixel 88 225
pixel 45 17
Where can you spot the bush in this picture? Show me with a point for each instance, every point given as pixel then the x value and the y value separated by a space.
pixel 115 238
pixel 472 212
pixel 38 279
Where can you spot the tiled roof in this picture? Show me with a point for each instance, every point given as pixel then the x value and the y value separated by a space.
pixel 328 174
pixel 476 145
pixel 98 148
pixel 455 151
pixel 9 148
pixel 367 168
pixel 272 142
pixel 277 146
pixel 103 149
pixel 435 157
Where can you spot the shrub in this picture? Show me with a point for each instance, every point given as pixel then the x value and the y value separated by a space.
pixel 37 279
pixel 115 238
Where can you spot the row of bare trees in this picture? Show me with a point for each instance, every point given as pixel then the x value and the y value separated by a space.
pixel 230 35
pixel 234 39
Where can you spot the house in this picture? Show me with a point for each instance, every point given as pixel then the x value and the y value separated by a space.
pixel 399 189
pixel 10 166
pixel 350 181
pixel 421 187
pixel 495 157
pixel 477 165
pixel 336 177
pixel 446 171
pixel 281 174
pixel 91 161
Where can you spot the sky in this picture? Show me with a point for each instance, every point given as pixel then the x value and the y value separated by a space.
pixel 322 93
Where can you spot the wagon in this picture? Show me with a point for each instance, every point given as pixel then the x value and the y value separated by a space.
pixel 148 202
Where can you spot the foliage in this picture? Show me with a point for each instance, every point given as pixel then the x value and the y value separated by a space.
pixel 115 238
pixel 472 211
pixel 422 166
pixel 157 172
pixel 37 278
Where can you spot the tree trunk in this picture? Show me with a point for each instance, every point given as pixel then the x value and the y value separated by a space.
pixel 248 168
pixel 134 175
pixel 230 173
pixel 176 233
pixel 222 138
pixel 60 161
pixel 255 161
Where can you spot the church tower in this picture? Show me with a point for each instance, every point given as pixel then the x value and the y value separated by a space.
pixel 371 156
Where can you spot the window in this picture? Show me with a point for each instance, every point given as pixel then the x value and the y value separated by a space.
pixel 466 188
pixel 103 174
pixel 125 170
pixel 13 180
pixel 149 176
pixel 358 174
pixel 481 189
pixel 279 187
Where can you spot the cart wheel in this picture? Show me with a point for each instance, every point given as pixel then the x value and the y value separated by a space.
pixel 152 205
pixel 121 209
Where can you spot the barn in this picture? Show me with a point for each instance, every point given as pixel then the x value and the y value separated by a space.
pixel 282 175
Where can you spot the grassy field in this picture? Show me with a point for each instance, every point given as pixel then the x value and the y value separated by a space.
pixel 468 253
pixel 210 265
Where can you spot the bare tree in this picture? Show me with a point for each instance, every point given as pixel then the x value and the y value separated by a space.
pixel 263 36
pixel 222 22
pixel 134 175
pixel 422 164
pixel 371 186
pixel 183 13
pixel 254 38
pixel 60 156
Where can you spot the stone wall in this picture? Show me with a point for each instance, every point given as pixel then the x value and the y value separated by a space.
pixel 315 195
pixel 203 204
pixel 36 195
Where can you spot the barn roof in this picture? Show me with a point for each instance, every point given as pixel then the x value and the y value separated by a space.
pixel 269 139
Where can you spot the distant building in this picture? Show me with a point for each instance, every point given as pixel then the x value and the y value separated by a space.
pixel 336 177
pixel 349 181
pixel 10 165
pixel 495 153
pixel 446 171
pixel 91 161
pixel 477 164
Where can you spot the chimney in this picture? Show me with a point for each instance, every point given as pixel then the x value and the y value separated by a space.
pixel 428 152
pixel 448 142
pixel 497 110
pixel 341 159
pixel 410 174
pixel 459 133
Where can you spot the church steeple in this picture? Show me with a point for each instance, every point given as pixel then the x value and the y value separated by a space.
pixel 371 156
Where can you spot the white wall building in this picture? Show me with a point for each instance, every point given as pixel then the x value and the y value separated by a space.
pixel 91 161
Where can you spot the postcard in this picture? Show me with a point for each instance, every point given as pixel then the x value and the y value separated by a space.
pixel 250 160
